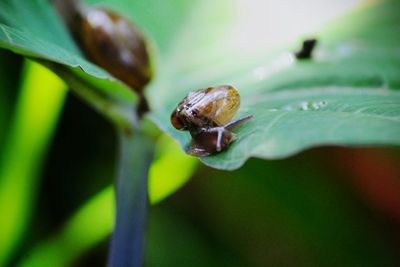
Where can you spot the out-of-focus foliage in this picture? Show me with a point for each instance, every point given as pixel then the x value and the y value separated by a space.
pixel 31 128
pixel 62 249
pixel 303 211
pixel 170 170
pixel 88 227
pixel 9 80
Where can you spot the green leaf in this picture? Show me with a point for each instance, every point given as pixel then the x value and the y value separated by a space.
pixel 33 29
pixel 346 95
pixel 348 89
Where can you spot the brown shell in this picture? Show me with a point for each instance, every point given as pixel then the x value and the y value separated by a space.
pixel 210 107
pixel 113 43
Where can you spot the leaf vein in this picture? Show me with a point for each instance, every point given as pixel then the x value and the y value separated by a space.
pixel 6 34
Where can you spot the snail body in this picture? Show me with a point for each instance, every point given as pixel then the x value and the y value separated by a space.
pixel 207 115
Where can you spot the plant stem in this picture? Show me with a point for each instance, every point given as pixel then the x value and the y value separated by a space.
pixel 127 243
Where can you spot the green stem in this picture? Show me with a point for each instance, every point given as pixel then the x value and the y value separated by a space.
pixel 127 243
pixel 118 109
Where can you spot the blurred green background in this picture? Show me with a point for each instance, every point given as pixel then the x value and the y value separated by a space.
pixel 324 207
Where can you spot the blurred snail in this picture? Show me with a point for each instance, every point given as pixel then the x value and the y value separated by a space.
pixel 111 42
pixel 207 115
pixel 306 49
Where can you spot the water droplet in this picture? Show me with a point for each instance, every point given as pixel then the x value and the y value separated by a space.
pixel 323 103
pixel 304 106
pixel 315 105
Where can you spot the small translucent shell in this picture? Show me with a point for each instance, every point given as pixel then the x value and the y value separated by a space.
pixel 207 114
pixel 209 107
pixel 220 103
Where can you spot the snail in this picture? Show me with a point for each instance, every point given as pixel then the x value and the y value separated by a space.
pixel 207 115
pixel 112 42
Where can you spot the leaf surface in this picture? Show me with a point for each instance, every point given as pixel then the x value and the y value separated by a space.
pixel 346 95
